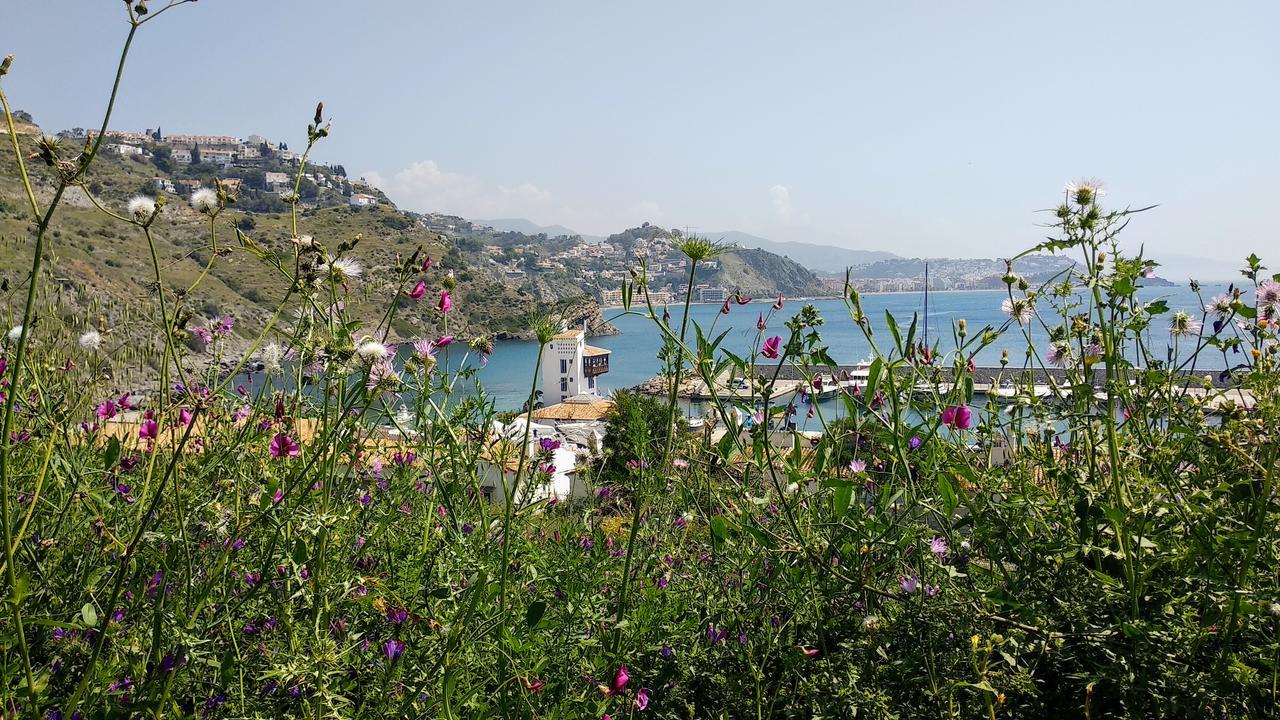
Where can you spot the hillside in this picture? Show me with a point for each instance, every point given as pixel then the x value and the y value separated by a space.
pixel 101 272
pixel 822 259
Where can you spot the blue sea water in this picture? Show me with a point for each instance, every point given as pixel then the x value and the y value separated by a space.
pixel 509 373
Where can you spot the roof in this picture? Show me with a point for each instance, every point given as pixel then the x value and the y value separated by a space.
pixel 568 335
pixel 576 408
pixel 593 350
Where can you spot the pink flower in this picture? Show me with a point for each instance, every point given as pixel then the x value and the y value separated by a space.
pixel 857 466
pixel 426 264
pixel 444 341
pixel 283 446
pixel 957 417
pixel 446 302
pixel 148 430
pixel 724 309
pixel 909 584
pixel 771 347
pixel 642 699
pixel 275 499
pixel 778 305
pixel 106 410
pixel 760 325
pixel 620 680
pixel 185 416
pixel 418 290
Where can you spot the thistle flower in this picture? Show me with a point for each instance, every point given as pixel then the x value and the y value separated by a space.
pixel 1017 308
pixel 425 351
pixel 1220 305
pixel 771 347
pixel 1085 191
pixel 91 340
pixel 938 546
pixel 1059 354
pixel 1268 296
pixel 1183 325
pixel 857 466
pixel 141 208
pixel 382 376
pixel 205 200
pixel 371 351
pixel 909 583
pixel 345 269
pixel 446 302
pixel 283 446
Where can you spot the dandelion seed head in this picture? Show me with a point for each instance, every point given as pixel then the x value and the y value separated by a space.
pixel 204 200
pixel 91 340
pixel 141 207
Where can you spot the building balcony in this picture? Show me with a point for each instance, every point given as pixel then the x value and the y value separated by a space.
pixel 595 361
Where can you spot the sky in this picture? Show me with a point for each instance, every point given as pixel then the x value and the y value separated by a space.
pixel 922 128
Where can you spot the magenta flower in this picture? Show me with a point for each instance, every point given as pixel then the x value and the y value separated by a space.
pixel 760 325
pixel 444 341
pixel 620 680
pixel 642 699
pixel 283 446
pixel 771 347
pixel 106 410
pixel 185 416
pixel 957 417
pixel 778 305
pixel 426 264
pixel 418 290
pixel 724 309
pixel 446 302
pixel 148 430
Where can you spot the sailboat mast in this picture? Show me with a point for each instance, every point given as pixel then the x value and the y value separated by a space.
pixel 926 304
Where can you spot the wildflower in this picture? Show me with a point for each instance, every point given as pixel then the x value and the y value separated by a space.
pixel 642 699
pixel 778 305
pixel 760 325
pixel 444 341
pixel 106 410
pixel 141 208
pixel 148 430
pixel 345 269
pixel 740 298
pixel 1183 325
pixel 915 442
pixel 724 309
pixel 91 340
pixel 909 584
pixel 397 616
pixel 446 302
pixel 418 290
pixel 1059 354
pixel 1017 308
pixel 808 651
pixel 271 357
pixel 1268 296
pixel 1092 353
pixel 957 417
pixel 484 346
pixel 222 326
pixel 15 334
pixel 283 446
pixel 371 351
pixel 393 649
pixel 1220 305
pixel 857 466
pixel 771 347
pixel 620 680
pixel 1085 192
pixel 938 546
pixel 204 200
pixel 382 375
pixel 426 264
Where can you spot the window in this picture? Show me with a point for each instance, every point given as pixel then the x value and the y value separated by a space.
pixel 591 382
pixel 564 384
pixel 564 366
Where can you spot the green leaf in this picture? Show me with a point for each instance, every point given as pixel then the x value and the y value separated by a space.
pixel 89 615
pixel 111 455
pixel 841 499
pixel 534 614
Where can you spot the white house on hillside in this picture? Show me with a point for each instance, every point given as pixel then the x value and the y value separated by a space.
pixel 570 367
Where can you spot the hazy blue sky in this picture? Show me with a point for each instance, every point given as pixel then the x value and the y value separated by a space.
pixel 917 127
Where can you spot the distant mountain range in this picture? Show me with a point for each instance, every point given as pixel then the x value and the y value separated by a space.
pixel 822 259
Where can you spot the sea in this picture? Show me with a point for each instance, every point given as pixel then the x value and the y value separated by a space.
pixel 509 372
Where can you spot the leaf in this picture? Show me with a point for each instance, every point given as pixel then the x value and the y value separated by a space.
pixel 893 330
pixel 534 614
pixel 89 615
pixel 948 493
pixel 111 455
pixel 841 499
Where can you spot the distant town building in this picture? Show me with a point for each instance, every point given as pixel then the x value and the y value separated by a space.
pixel 361 199
pixel 712 295
pixel 571 367
pixel 213 141
pixel 611 298
pixel 123 149
pixel 182 156
pixel 161 184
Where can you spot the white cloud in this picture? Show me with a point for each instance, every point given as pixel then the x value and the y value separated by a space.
pixel 781 198
pixel 426 187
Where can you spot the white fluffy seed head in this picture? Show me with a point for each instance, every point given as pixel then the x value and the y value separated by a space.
pixel 91 340
pixel 15 334
pixel 141 207
pixel 345 269
pixel 372 351
pixel 271 356
pixel 204 200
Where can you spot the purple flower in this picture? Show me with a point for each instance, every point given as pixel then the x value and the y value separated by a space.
pixel 938 546
pixel 393 649
pixel 148 430
pixel 771 347
pixel 397 615
pixel 283 446
pixel 909 584
pixel 106 410
pixel 446 302
pixel 620 680
pixel 957 417
pixel 418 290
pixel 667 653
pixel 915 442
pixel 642 699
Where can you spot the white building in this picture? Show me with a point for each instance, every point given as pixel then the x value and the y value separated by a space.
pixel 182 156
pixel 163 184
pixel 570 367
pixel 216 156
pixel 122 149
pixel 713 294
pixel 361 199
